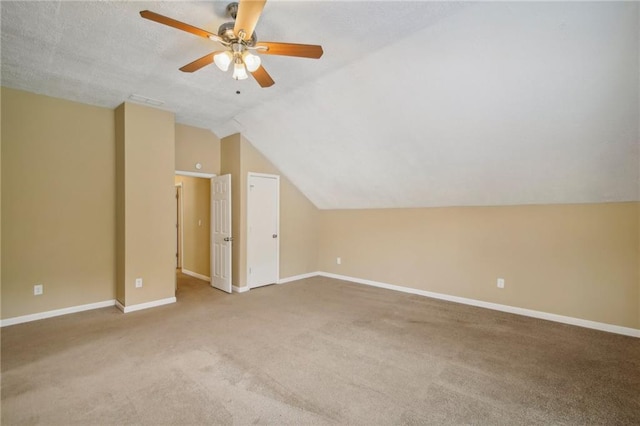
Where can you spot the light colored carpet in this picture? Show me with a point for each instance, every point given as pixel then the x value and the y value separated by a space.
pixel 316 351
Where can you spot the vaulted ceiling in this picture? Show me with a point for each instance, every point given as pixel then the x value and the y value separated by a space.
pixel 413 103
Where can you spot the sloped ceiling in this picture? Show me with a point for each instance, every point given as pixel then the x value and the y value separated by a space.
pixel 413 104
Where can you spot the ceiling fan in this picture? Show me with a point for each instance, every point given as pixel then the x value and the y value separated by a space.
pixel 239 40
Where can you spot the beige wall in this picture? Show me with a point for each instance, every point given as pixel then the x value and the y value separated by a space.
pixel 69 181
pixel 58 162
pixel 1 206
pixel 58 203
pixel 149 215
pixel 195 145
pixel 575 260
pixel 196 211
pixel 298 216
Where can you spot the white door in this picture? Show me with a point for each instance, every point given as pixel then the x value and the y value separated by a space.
pixel 221 232
pixel 263 227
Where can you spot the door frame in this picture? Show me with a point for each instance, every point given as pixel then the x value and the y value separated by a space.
pixel 248 251
pixel 180 225
pixel 195 174
pixel 211 212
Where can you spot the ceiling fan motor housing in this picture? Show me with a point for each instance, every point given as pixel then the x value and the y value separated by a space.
pixel 225 31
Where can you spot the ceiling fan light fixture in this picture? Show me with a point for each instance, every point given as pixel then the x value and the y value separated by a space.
pixel 223 60
pixel 251 61
pixel 237 37
pixel 239 70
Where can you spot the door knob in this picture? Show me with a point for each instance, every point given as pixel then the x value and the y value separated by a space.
pixel 228 238
pixel 274 236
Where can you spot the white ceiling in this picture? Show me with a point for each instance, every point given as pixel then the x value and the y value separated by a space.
pixel 413 103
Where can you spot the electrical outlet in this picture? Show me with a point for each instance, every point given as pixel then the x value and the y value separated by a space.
pixel 338 260
pixel 38 289
pixel 500 283
pixel 138 282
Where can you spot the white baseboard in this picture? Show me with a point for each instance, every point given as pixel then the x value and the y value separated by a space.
pixel 627 331
pixel 56 313
pixel 298 277
pixel 147 305
pixel 196 275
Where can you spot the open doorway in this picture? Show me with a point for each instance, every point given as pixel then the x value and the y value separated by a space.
pixel 193 225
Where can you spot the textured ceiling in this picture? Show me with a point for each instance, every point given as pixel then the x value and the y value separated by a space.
pixel 101 52
pixel 413 103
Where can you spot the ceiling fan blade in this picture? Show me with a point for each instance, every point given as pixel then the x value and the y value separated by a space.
pixel 290 49
pixel 262 77
pixel 199 63
pixel 152 16
pixel 248 14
